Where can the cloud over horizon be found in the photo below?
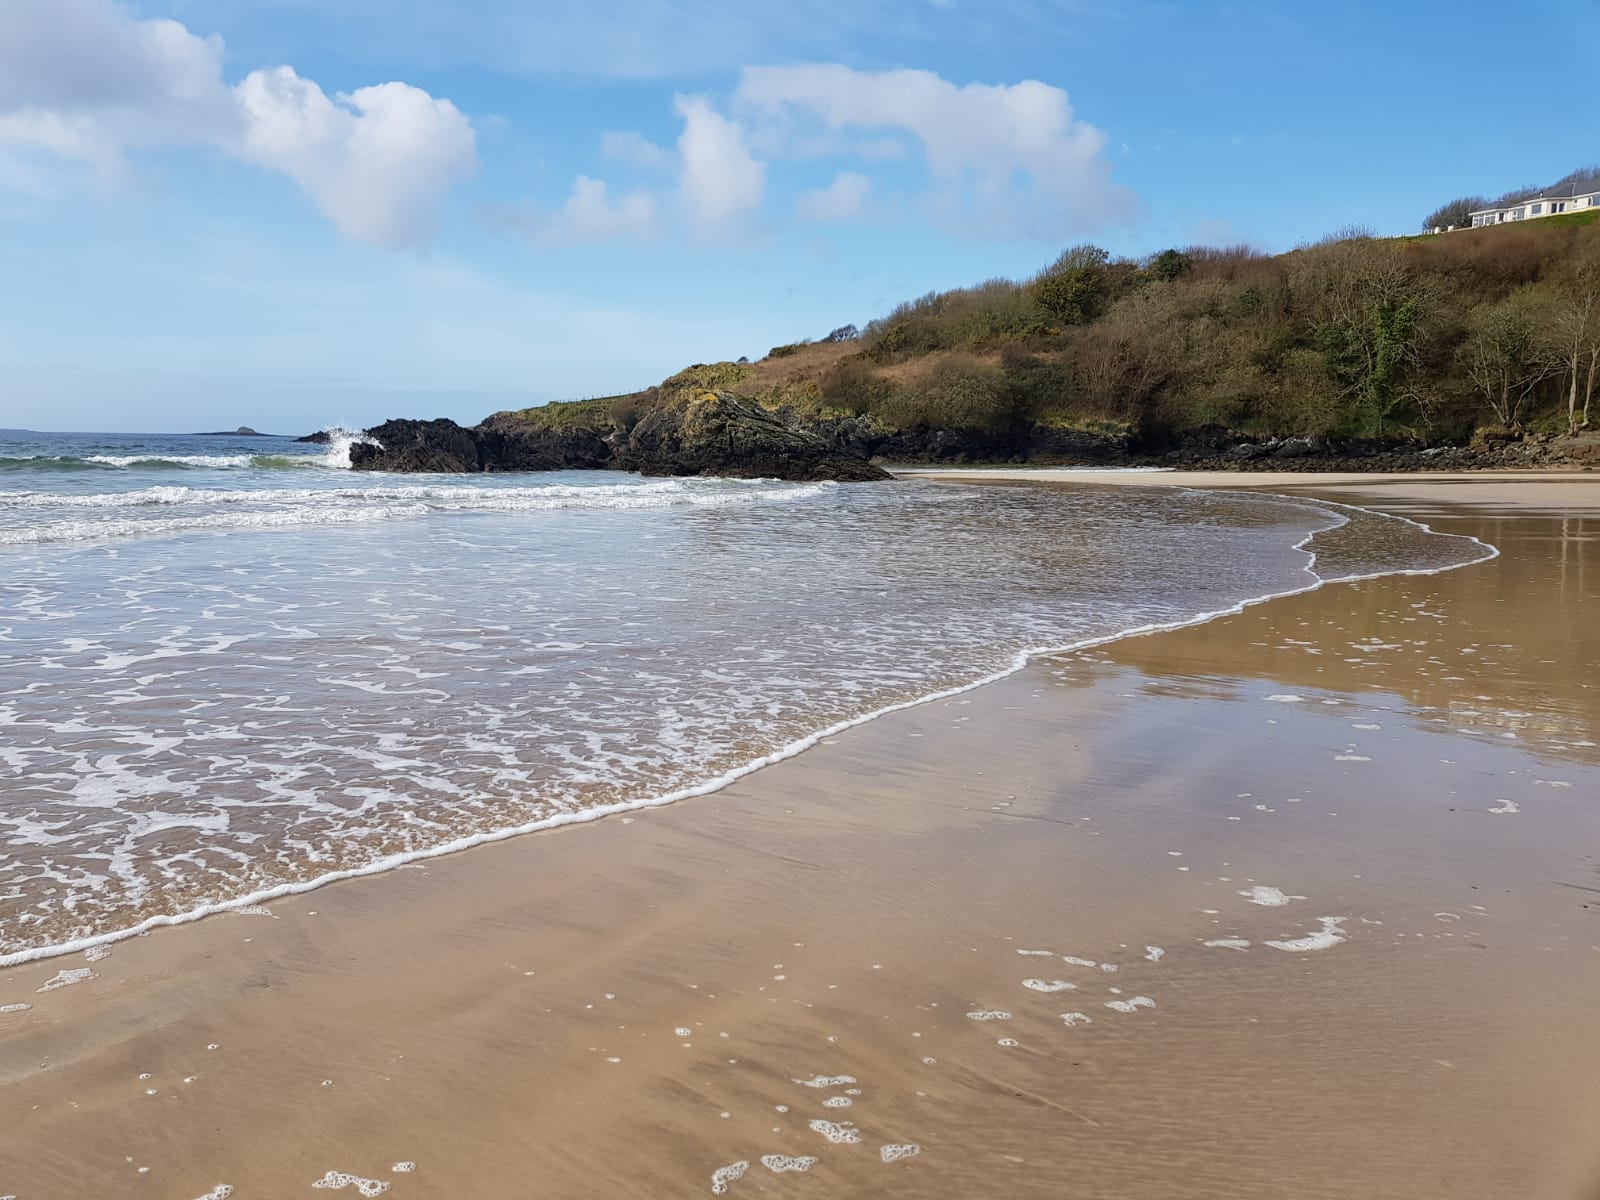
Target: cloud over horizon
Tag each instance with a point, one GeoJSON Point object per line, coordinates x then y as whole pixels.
{"type": "Point", "coordinates": [89, 81]}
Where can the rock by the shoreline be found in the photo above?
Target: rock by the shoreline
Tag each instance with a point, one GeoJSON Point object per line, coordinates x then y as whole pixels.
{"type": "Point", "coordinates": [717, 433]}
{"type": "Point", "coordinates": [320, 438]}
{"type": "Point", "coordinates": [435, 446]}
{"type": "Point", "coordinates": [712, 433]}
{"type": "Point", "coordinates": [242, 431]}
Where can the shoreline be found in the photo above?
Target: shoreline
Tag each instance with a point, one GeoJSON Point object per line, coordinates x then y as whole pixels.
{"type": "Point", "coordinates": [673, 981]}
{"type": "Point", "coordinates": [790, 750]}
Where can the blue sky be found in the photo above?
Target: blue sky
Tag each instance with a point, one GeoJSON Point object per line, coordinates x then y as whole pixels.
{"type": "Point", "coordinates": [288, 213]}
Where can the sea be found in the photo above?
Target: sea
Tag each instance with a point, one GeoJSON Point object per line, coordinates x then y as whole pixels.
{"type": "Point", "coordinates": [231, 668]}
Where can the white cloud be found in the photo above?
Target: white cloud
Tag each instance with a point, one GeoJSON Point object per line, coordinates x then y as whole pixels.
{"type": "Point", "coordinates": [1007, 159]}
{"type": "Point", "coordinates": [88, 80]}
{"type": "Point", "coordinates": [719, 178]}
{"type": "Point", "coordinates": [839, 201]}
{"type": "Point", "coordinates": [634, 149]}
{"type": "Point", "coordinates": [590, 214]}
{"type": "Point", "coordinates": [377, 161]}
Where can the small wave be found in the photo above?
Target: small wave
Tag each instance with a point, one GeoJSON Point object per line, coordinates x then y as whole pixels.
{"type": "Point", "coordinates": [652, 494]}
{"type": "Point", "coordinates": [286, 462]}
{"type": "Point", "coordinates": [50, 462]}
{"type": "Point", "coordinates": [79, 531]}
{"type": "Point", "coordinates": [159, 461]}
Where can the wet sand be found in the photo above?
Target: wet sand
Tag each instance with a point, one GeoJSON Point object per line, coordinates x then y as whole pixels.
{"type": "Point", "coordinates": [623, 1009]}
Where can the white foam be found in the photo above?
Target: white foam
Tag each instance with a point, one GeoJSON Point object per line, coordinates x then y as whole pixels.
{"type": "Point", "coordinates": [780, 1163]}
{"type": "Point", "coordinates": [1007, 1042]}
{"type": "Point", "coordinates": [989, 1014]}
{"type": "Point", "coordinates": [826, 1081]}
{"type": "Point", "coordinates": [1048, 985]}
{"type": "Point", "coordinates": [1329, 936]}
{"type": "Point", "coordinates": [67, 978]}
{"type": "Point", "coordinates": [837, 1102]}
{"type": "Point", "coordinates": [1044, 952]}
{"type": "Point", "coordinates": [1268, 897]}
{"type": "Point", "coordinates": [1228, 944]}
{"type": "Point", "coordinates": [1128, 1006]}
{"type": "Point", "coordinates": [221, 1192]}
{"type": "Point", "coordinates": [1074, 961]}
{"type": "Point", "coordinates": [337, 1180]}
{"type": "Point", "coordinates": [403, 1168]}
{"type": "Point", "coordinates": [1018, 661]}
{"type": "Point", "coordinates": [1077, 1018]}
{"type": "Point", "coordinates": [13, 1008]}
{"type": "Point", "coordinates": [725, 1177]}
{"type": "Point", "coordinates": [1506, 806]}
{"type": "Point", "coordinates": [894, 1153]}
{"type": "Point", "coordinates": [843, 1134]}
{"type": "Point", "coordinates": [1154, 953]}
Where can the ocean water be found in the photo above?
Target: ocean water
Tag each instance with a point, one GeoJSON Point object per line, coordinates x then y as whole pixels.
{"type": "Point", "coordinates": [231, 668]}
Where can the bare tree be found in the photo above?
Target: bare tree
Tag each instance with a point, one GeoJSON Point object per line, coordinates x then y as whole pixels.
{"type": "Point", "coordinates": [1454, 215]}
{"type": "Point", "coordinates": [1501, 355]}
{"type": "Point", "coordinates": [1572, 335]}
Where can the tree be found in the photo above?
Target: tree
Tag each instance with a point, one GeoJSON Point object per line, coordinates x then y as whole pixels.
{"type": "Point", "coordinates": [1170, 265]}
{"type": "Point", "coordinates": [1369, 310]}
{"type": "Point", "coordinates": [1072, 288]}
{"type": "Point", "coordinates": [1571, 340]}
{"type": "Point", "coordinates": [1456, 214]}
{"type": "Point", "coordinates": [845, 333]}
{"type": "Point", "coordinates": [1501, 356]}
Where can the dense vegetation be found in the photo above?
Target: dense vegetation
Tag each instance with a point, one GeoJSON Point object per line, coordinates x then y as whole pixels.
{"type": "Point", "coordinates": [1356, 336]}
{"type": "Point", "coordinates": [1433, 338]}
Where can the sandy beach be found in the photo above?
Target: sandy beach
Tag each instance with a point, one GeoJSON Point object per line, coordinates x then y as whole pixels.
{"type": "Point", "coordinates": [1304, 902]}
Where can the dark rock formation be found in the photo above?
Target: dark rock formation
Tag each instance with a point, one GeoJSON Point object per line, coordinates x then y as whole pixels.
{"type": "Point", "coordinates": [320, 438]}
{"type": "Point", "coordinates": [439, 445]}
{"type": "Point", "coordinates": [242, 431]}
{"type": "Point", "coordinates": [715, 433]}
{"type": "Point", "coordinates": [506, 443]}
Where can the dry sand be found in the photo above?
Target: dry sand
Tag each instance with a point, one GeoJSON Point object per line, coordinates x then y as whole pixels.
{"type": "Point", "coordinates": [624, 1008]}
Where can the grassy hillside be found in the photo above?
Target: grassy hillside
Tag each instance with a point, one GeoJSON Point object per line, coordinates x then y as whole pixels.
{"type": "Point", "coordinates": [1431, 337]}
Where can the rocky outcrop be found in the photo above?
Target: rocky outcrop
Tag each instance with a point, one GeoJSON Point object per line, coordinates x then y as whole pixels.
{"type": "Point", "coordinates": [1219, 449]}
{"type": "Point", "coordinates": [439, 445]}
{"type": "Point", "coordinates": [717, 433]}
{"type": "Point", "coordinates": [709, 433]}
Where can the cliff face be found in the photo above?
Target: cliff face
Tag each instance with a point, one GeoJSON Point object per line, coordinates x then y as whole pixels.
{"type": "Point", "coordinates": [707, 433]}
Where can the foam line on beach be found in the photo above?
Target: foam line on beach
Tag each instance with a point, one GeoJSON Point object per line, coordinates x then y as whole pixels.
{"type": "Point", "coordinates": [1019, 662]}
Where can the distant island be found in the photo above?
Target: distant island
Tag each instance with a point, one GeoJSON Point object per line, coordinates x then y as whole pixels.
{"type": "Point", "coordinates": [1475, 348]}
{"type": "Point", "coordinates": [242, 431]}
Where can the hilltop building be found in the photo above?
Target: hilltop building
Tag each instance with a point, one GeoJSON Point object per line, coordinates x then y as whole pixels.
{"type": "Point", "coordinates": [1536, 206]}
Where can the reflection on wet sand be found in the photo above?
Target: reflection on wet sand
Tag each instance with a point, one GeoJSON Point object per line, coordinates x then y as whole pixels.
{"type": "Point", "coordinates": [1236, 911]}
